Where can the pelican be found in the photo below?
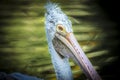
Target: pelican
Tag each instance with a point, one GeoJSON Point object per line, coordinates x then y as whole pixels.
{"type": "Point", "coordinates": [63, 45]}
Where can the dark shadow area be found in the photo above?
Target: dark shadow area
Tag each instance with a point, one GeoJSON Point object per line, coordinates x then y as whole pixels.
{"type": "Point", "coordinates": [111, 40]}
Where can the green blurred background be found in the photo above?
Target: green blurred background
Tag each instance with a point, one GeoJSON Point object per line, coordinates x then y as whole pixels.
{"type": "Point", "coordinates": [23, 45]}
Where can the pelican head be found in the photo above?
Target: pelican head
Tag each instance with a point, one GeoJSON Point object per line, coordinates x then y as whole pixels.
{"type": "Point", "coordinates": [62, 45]}
{"type": "Point", "coordinates": [54, 18]}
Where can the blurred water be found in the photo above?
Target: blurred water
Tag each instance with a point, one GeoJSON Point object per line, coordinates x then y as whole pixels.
{"type": "Point", "coordinates": [23, 45]}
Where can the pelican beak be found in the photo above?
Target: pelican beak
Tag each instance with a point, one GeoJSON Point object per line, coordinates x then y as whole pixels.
{"type": "Point", "coordinates": [70, 41]}
{"type": "Point", "coordinates": [78, 55]}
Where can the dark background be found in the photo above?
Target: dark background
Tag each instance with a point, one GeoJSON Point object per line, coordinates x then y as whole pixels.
{"type": "Point", "coordinates": [111, 9]}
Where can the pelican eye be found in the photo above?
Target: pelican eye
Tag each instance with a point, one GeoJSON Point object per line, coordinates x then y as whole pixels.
{"type": "Point", "coordinates": [61, 29]}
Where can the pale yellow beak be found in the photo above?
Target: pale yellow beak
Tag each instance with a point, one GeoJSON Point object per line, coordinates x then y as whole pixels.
{"type": "Point", "coordinates": [78, 55]}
